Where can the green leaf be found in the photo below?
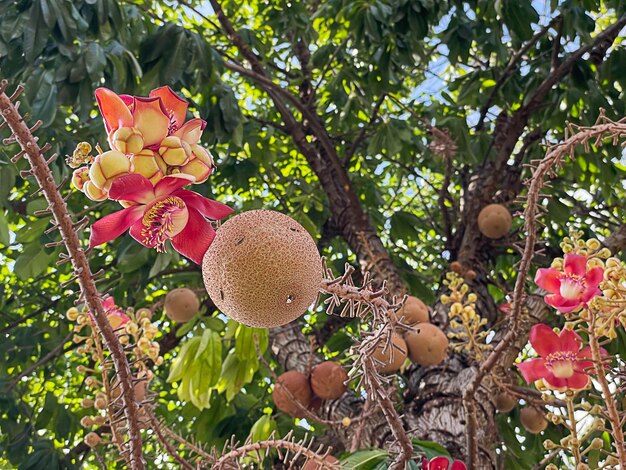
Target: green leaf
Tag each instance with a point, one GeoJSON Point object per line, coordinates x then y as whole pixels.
{"type": "Point", "coordinates": [364, 459]}
{"type": "Point", "coordinates": [5, 237]}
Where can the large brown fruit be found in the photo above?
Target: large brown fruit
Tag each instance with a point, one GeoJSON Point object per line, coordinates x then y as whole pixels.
{"type": "Point", "coordinates": [505, 402]}
{"type": "Point", "coordinates": [393, 356]}
{"type": "Point", "coordinates": [494, 221]}
{"type": "Point", "coordinates": [428, 345]}
{"type": "Point", "coordinates": [311, 465]}
{"type": "Point", "coordinates": [327, 380]}
{"type": "Point", "coordinates": [262, 269]}
{"type": "Point", "coordinates": [181, 304]}
{"type": "Point", "coordinates": [533, 420]}
{"type": "Point", "coordinates": [413, 311]}
{"type": "Point", "coordinates": [298, 385]}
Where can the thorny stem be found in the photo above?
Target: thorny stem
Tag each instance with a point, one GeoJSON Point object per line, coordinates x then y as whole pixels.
{"type": "Point", "coordinates": [613, 414]}
{"type": "Point", "coordinates": [156, 427]}
{"type": "Point", "coordinates": [603, 128]}
{"type": "Point", "coordinates": [572, 427]}
{"type": "Point", "coordinates": [89, 293]}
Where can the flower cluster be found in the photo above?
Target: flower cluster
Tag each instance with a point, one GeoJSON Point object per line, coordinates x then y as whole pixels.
{"type": "Point", "coordinates": [155, 153]}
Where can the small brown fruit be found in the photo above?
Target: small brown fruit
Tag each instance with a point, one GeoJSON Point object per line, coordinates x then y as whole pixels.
{"type": "Point", "coordinates": [470, 275]}
{"type": "Point", "coordinates": [533, 420]}
{"type": "Point", "coordinates": [181, 304]}
{"type": "Point", "coordinates": [413, 311]}
{"type": "Point", "coordinates": [263, 269]}
{"type": "Point", "coordinates": [392, 356]}
{"type": "Point", "coordinates": [311, 465]}
{"type": "Point", "coordinates": [505, 402]}
{"type": "Point", "coordinates": [428, 345]}
{"type": "Point", "coordinates": [456, 267]}
{"type": "Point", "coordinates": [494, 221]}
{"type": "Point", "coordinates": [327, 380]}
{"type": "Point", "coordinates": [298, 385]}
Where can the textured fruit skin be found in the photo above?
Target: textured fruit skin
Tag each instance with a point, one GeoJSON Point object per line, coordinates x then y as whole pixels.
{"type": "Point", "coordinates": [181, 304]}
{"type": "Point", "coordinates": [311, 465]}
{"type": "Point", "coordinates": [428, 345]}
{"type": "Point", "coordinates": [505, 402]}
{"type": "Point", "coordinates": [384, 355]}
{"type": "Point", "coordinates": [533, 420]}
{"type": "Point", "coordinates": [262, 269]}
{"type": "Point", "coordinates": [413, 311]}
{"type": "Point", "coordinates": [298, 384]}
{"type": "Point", "coordinates": [327, 380]}
{"type": "Point", "coordinates": [494, 221]}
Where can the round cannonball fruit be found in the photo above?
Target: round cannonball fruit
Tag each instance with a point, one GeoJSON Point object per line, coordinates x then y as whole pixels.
{"type": "Point", "coordinates": [327, 380]}
{"type": "Point", "coordinates": [298, 385]}
{"type": "Point", "coordinates": [181, 304]}
{"type": "Point", "coordinates": [533, 420]}
{"type": "Point", "coordinates": [505, 402]}
{"type": "Point", "coordinates": [494, 221]}
{"type": "Point", "coordinates": [262, 269]}
{"type": "Point", "coordinates": [413, 311]}
{"type": "Point", "coordinates": [456, 267]}
{"type": "Point", "coordinates": [312, 465]}
{"type": "Point", "coordinates": [428, 345]}
{"type": "Point", "coordinates": [392, 355]}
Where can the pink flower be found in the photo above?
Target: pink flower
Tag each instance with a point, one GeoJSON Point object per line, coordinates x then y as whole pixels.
{"type": "Point", "coordinates": [115, 314]}
{"type": "Point", "coordinates": [160, 115]}
{"type": "Point", "coordinates": [159, 213]}
{"type": "Point", "coordinates": [442, 463]}
{"type": "Point", "coordinates": [573, 288]}
{"type": "Point", "coordinates": [562, 363]}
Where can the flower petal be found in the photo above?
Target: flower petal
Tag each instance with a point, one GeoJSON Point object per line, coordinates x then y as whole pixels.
{"type": "Point", "coordinates": [458, 465]}
{"type": "Point", "coordinates": [115, 112]}
{"type": "Point", "coordinates": [578, 381]}
{"type": "Point", "coordinates": [172, 183]}
{"type": "Point", "coordinates": [438, 463]}
{"type": "Point", "coordinates": [191, 131]}
{"type": "Point", "coordinates": [549, 279]}
{"type": "Point", "coordinates": [569, 341]}
{"type": "Point", "coordinates": [555, 382]}
{"type": "Point", "coordinates": [544, 340]}
{"type": "Point", "coordinates": [176, 106]}
{"type": "Point", "coordinates": [151, 119]}
{"type": "Point", "coordinates": [594, 276]}
{"type": "Point", "coordinates": [589, 294]}
{"type": "Point", "coordinates": [135, 232]}
{"type": "Point", "coordinates": [207, 207]}
{"type": "Point", "coordinates": [533, 369]}
{"type": "Point", "coordinates": [113, 225]}
{"type": "Point", "coordinates": [575, 264]}
{"type": "Point", "coordinates": [562, 305]}
{"type": "Point", "coordinates": [134, 188]}
{"type": "Point", "coordinates": [196, 237]}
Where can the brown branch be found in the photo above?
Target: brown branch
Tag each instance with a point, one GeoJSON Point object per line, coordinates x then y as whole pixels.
{"type": "Point", "coordinates": [157, 428]}
{"type": "Point", "coordinates": [89, 293]}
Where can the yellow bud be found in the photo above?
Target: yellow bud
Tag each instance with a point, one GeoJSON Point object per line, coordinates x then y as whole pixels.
{"type": "Point", "coordinates": [548, 444]}
{"type": "Point", "coordinates": [72, 314]}
{"type": "Point", "coordinates": [346, 421]}
{"type": "Point", "coordinates": [93, 192]}
{"type": "Point", "coordinates": [445, 299]}
{"type": "Point", "coordinates": [100, 404]}
{"type": "Point", "coordinates": [144, 313]}
{"type": "Point", "coordinates": [87, 403]}
{"type": "Point", "coordinates": [108, 166]}
{"type": "Point", "coordinates": [149, 164]}
{"type": "Point", "coordinates": [131, 328]}
{"type": "Point", "coordinates": [472, 298]}
{"type": "Point", "coordinates": [92, 439]}
{"type": "Point", "coordinates": [86, 421]}
{"type": "Point", "coordinates": [174, 151]}
{"type": "Point", "coordinates": [127, 140]}
{"type": "Point", "coordinates": [456, 308]}
{"type": "Point", "coordinates": [158, 361]}
{"type": "Point", "coordinates": [596, 443]}
{"type": "Point", "coordinates": [593, 244]}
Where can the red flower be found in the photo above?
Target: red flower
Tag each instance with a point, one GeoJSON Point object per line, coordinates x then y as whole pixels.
{"type": "Point", "coordinates": [442, 463]}
{"type": "Point", "coordinates": [161, 212]}
{"type": "Point", "coordinates": [573, 288]}
{"type": "Point", "coordinates": [160, 115]}
{"type": "Point", "coordinates": [116, 316]}
{"type": "Point", "coordinates": [562, 364]}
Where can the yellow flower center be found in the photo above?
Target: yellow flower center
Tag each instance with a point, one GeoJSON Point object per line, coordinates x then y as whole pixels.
{"type": "Point", "coordinates": [165, 219]}
{"type": "Point", "coordinates": [561, 363]}
{"type": "Point", "coordinates": [572, 286]}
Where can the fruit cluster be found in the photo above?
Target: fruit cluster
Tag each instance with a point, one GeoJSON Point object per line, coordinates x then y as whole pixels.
{"type": "Point", "coordinates": [148, 136]}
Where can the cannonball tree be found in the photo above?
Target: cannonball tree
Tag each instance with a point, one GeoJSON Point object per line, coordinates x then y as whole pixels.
{"type": "Point", "coordinates": [338, 234]}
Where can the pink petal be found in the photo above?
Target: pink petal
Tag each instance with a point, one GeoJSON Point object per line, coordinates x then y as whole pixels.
{"type": "Point", "coordinates": [533, 369]}
{"type": "Point", "coordinates": [113, 225]}
{"type": "Point", "coordinates": [569, 341]}
{"type": "Point", "coordinates": [438, 463]}
{"type": "Point", "coordinates": [172, 183]}
{"type": "Point", "coordinates": [115, 112]}
{"type": "Point", "coordinates": [191, 131]}
{"type": "Point", "coordinates": [207, 207]}
{"type": "Point", "coordinates": [589, 294]}
{"type": "Point", "coordinates": [135, 232]}
{"type": "Point", "coordinates": [561, 304]}
{"type": "Point", "coordinates": [196, 237]}
{"type": "Point", "coordinates": [152, 120]}
{"type": "Point", "coordinates": [575, 264]}
{"type": "Point", "coordinates": [458, 465]}
{"type": "Point", "coordinates": [108, 303]}
{"type": "Point", "coordinates": [175, 106]}
{"type": "Point", "coordinates": [129, 100]}
{"type": "Point", "coordinates": [578, 381]}
{"type": "Point", "coordinates": [555, 382]}
{"type": "Point", "coordinates": [544, 340]}
{"type": "Point", "coordinates": [134, 188]}
{"type": "Point", "coordinates": [549, 279]}
{"type": "Point", "coordinates": [594, 276]}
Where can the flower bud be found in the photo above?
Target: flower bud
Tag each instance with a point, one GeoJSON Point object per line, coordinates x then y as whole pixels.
{"type": "Point", "coordinates": [93, 192]}
{"type": "Point", "coordinates": [87, 403]}
{"type": "Point", "coordinates": [174, 151]}
{"type": "Point", "coordinates": [108, 166]}
{"type": "Point", "coordinates": [100, 404]}
{"type": "Point", "coordinates": [132, 328]}
{"type": "Point", "coordinates": [472, 297]}
{"type": "Point", "coordinates": [143, 313]}
{"type": "Point", "coordinates": [346, 421]}
{"type": "Point", "coordinates": [72, 314]}
{"type": "Point", "coordinates": [92, 439]}
{"type": "Point", "coordinates": [158, 361]}
{"type": "Point", "coordinates": [200, 165]}
{"type": "Point", "coordinates": [86, 421]}
{"type": "Point", "coordinates": [149, 164]}
{"type": "Point", "coordinates": [80, 177]}
{"type": "Point", "coordinates": [127, 140]}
